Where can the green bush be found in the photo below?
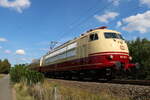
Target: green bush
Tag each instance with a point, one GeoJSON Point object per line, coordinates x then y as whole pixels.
{"type": "Point", "coordinates": [23, 74]}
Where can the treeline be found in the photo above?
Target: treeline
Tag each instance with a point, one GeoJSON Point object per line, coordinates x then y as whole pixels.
{"type": "Point", "coordinates": [140, 52]}
{"type": "Point", "coordinates": [4, 66]}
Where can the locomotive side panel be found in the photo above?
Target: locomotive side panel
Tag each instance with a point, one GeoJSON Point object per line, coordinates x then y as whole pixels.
{"type": "Point", "coordinates": [75, 50]}
{"type": "Point", "coordinates": [82, 47]}
{"type": "Point", "coordinates": [65, 53]}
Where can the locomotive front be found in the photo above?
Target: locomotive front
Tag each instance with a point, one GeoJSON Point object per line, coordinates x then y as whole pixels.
{"type": "Point", "coordinates": [110, 49]}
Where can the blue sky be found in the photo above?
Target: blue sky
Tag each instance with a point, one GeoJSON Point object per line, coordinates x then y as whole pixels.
{"type": "Point", "coordinates": [28, 26]}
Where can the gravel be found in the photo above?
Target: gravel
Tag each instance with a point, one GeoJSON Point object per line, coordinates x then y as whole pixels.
{"type": "Point", "coordinates": [134, 92]}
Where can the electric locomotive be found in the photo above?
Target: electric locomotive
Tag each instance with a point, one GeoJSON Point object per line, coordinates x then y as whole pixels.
{"type": "Point", "coordinates": [97, 53]}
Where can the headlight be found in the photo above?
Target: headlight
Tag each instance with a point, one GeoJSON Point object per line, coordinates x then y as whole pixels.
{"type": "Point", "coordinates": [130, 58]}
{"type": "Point", "coordinates": [111, 56]}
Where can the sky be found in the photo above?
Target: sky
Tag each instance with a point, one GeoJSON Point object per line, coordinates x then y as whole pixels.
{"type": "Point", "coordinates": [28, 26]}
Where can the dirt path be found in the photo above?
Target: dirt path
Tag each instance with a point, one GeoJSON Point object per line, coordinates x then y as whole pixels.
{"type": "Point", "coordinates": [5, 90]}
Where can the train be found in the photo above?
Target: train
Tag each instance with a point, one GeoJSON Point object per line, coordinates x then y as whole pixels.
{"type": "Point", "coordinates": [97, 53]}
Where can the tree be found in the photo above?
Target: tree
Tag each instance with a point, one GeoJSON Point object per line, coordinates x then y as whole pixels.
{"type": "Point", "coordinates": [4, 66]}
{"type": "Point", "coordinates": [140, 51]}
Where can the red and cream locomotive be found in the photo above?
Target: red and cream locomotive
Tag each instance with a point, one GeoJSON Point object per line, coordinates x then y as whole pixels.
{"type": "Point", "coordinates": [97, 53]}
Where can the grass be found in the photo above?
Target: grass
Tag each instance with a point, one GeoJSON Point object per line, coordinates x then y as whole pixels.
{"type": "Point", "coordinates": [1, 76]}
{"type": "Point", "coordinates": [55, 91]}
{"type": "Point", "coordinates": [21, 92]}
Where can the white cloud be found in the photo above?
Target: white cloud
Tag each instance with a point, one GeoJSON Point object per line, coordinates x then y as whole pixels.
{"type": "Point", "coordinates": [139, 22]}
{"type": "Point", "coordinates": [145, 2]}
{"type": "Point", "coordinates": [107, 16]}
{"type": "Point", "coordinates": [3, 39]}
{"type": "Point", "coordinates": [7, 51]}
{"type": "Point", "coordinates": [17, 5]}
{"type": "Point", "coordinates": [20, 52]}
{"type": "Point", "coordinates": [115, 2]}
{"type": "Point", "coordinates": [119, 23]}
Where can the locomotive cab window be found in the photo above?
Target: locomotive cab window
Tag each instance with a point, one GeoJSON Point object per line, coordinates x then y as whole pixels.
{"type": "Point", "coordinates": [109, 35]}
{"type": "Point", "coordinates": [93, 37]}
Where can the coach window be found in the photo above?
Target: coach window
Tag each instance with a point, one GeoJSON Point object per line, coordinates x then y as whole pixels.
{"type": "Point", "coordinates": [93, 37]}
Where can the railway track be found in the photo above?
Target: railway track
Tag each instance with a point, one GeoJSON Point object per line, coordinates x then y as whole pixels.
{"type": "Point", "coordinates": [117, 81]}
{"type": "Point", "coordinates": [132, 82]}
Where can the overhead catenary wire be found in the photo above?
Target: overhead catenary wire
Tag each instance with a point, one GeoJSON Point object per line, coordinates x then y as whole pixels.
{"type": "Point", "coordinates": [86, 19]}
{"type": "Point", "coordinates": [79, 18]}
{"type": "Point", "coordinates": [91, 8]}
